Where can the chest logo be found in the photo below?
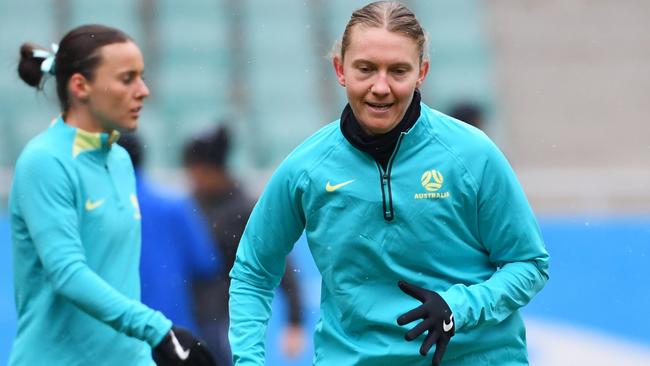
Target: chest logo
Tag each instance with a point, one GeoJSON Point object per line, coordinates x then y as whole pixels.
{"type": "Point", "coordinates": [93, 205]}
{"type": "Point", "coordinates": [432, 180]}
{"type": "Point", "coordinates": [332, 188]}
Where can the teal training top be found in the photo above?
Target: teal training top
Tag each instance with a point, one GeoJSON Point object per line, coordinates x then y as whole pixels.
{"type": "Point", "coordinates": [75, 225]}
{"type": "Point", "coordinates": [448, 215]}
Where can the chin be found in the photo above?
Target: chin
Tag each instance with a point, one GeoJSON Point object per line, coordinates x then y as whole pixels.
{"type": "Point", "coordinates": [129, 126]}
{"type": "Point", "coordinates": [379, 127]}
{"type": "Point", "coordinates": [125, 129]}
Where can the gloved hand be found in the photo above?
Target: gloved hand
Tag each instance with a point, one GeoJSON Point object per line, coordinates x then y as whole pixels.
{"type": "Point", "coordinates": [437, 319]}
{"type": "Point", "coordinates": [180, 348]}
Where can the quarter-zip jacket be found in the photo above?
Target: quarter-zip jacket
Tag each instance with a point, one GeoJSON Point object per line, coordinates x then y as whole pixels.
{"type": "Point", "coordinates": [75, 225]}
{"type": "Point", "coordinates": [381, 147]}
{"type": "Point", "coordinates": [461, 226]}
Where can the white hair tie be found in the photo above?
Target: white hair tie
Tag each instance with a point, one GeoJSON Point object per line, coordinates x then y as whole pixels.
{"type": "Point", "coordinates": [47, 66]}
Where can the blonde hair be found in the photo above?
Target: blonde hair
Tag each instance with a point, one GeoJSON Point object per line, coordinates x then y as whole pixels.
{"type": "Point", "coordinates": [392, 16]}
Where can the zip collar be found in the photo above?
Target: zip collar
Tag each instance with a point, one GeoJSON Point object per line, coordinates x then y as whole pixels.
{"type": "Point", "coordinates": [85, 141]}
{"type": "Point", "coordinates": [380, 147]}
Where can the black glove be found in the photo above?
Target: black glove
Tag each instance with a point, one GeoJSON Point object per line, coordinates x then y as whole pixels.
{"type": "Point", "coordinates": [179, 348]}
{"type": "Point", "coordinates": [437, 319]}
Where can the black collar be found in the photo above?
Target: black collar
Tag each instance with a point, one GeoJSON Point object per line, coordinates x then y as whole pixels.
{"type": "Point", "coordinates": [380, 147]}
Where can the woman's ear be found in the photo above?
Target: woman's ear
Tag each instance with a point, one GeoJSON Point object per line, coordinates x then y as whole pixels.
{"type": "Point", "coordinates": [79, 87]}
{"type": "Point", "coordinates": [424, 70]}
{"type": "Point", "coordinates": [338, 68]}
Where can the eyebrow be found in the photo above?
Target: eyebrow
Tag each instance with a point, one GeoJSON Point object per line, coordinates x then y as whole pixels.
{"type": "Point", "coordinates": [397, 64]}
{"type": "Point", "coordinates": [361, 62]}
{"type": "Point", "coordinates": [403, 64]}
{"type": "Point", "coordinates": [131, 72]}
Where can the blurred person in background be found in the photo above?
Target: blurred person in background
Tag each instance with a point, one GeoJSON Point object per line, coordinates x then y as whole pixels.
{"type": "Point", "coordinates": [411, 217]}
{"type": "Point", "coordinates": [75, 220]}
{"type": "Point", "coordinates": [468, 112]}
{"type": "Point", "coordinates": [227, 208]}
{"type": "Point", "coordinates": [177, 248]}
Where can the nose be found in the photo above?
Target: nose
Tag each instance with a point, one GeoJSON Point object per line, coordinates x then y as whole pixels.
{"type": "Point", "coordinates": [380, 87]}
{"type": "Point", "coordinates": [143, 90]}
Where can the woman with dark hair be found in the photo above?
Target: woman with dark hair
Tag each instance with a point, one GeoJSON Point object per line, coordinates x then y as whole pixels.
{"type": "Point", "coordinates": [227, 208]}
{"type": "Point", "coordinates": [75, 219]}
{"type": "Point", "coordinates": [416, 221]}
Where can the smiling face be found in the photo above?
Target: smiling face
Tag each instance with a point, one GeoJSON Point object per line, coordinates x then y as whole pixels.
{"type": "Point", "coordinates": [380, 71]}
{"type": "Point", "coordinates": [116, 93]}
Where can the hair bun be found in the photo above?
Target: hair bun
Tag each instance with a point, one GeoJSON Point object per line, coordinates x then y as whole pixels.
{"type": "Point", "coordinates": [29, 67]}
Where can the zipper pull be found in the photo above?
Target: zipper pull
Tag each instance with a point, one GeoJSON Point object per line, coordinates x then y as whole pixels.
{"type": "Point", "coordinates": [388, 214]}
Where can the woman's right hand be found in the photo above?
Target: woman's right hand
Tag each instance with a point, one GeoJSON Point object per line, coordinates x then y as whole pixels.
{"type": "Point", "coordinates": [179, 348]}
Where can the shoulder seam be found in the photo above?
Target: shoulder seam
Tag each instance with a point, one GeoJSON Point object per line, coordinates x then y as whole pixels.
{"type": "Point", "coordinates": [307, 172]}
{"type": "Point", "coordinates": [460, 161]}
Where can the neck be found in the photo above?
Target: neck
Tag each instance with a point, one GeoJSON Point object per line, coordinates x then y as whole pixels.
{"type": "Point", "coordinates": [379, 146]}
{"type": "Point", "coordinates": [223, 184]}
{"type": "Point", "coordinates": [219, 191]}
{"type": "Point", "coordinates": [82, 118]}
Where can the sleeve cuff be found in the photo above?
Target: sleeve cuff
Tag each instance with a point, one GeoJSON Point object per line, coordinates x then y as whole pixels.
{"type": "Point", "coordinates": [159, 327]}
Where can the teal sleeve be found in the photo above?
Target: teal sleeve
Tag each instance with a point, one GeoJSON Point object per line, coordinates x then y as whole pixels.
{"type": "Point", "coordinates": [274, 226]}
{"type": "Point", "coordinates": [46, 198]}
{"type": "Point", "coordinates": [509, 231]}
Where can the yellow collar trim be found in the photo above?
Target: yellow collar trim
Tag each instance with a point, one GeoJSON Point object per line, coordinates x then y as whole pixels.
{"type": "Point", "coordinates": [88, 141]}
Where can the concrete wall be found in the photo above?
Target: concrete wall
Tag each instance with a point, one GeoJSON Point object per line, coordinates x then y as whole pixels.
{"type": "Point", "coordinates": [573, 82]}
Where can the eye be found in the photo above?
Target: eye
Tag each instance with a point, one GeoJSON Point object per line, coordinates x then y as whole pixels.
{"type": "Point", "coordinates": [400, 71]}
{"type": "Point", "coordinates": [365, 69]}
{"type": "Point", "coordinates": [130, 77]}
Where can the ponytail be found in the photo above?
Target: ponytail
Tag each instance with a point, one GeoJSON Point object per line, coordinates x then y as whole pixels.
{"type": "Point", "coordinates": [32, 60]}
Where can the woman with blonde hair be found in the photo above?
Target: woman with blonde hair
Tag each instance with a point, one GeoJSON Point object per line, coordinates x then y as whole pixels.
{"type": "Point", "coordinates": [412, 217]}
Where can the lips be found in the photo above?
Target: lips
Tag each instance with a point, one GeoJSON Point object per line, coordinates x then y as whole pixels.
{"type": "Point", "coordinates": [135, 112]}
{"type": "Point", "coordinates": [379, 106]}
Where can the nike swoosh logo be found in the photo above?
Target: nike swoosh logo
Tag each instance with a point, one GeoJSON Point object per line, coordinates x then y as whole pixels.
{"type": "Point", "coordinates": [332, 188]}
{"type": "Point", "coordinates": [90, 205]}
{"type": "Point", "coordinates": [183, 354]}
{"type": "Point", "coordinates": [447, 326]}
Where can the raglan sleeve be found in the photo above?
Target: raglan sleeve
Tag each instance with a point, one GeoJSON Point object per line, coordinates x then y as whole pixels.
{"type": "Point", "coordinates": [272, 229]}
{"type": "Point", "coordinates": [509, 231]}
{"type": "Point", "coordinates": [45, 195]}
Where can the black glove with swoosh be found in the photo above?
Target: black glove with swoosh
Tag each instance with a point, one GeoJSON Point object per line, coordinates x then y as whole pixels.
{"type": "Point", "coordinates": [180, 348]}
{"type": "Point", "coordinates": [436, 317]}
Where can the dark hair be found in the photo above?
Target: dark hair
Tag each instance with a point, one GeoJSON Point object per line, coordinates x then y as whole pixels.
{"type": "Point", "coordinates": [78, 53]}
{"type": "Point", "coordinates": [468, 112]}
{"type": "Point", "coordinates": [132, 144]}
{"type": "Point", "coordinates": [390, 15]}
{"type": "Point", "coordinates": [210, 147]}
